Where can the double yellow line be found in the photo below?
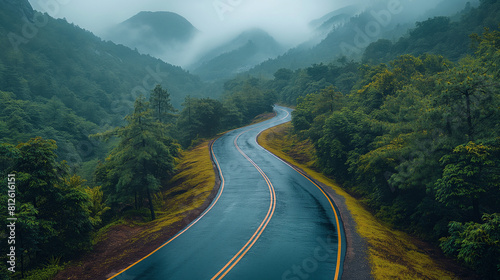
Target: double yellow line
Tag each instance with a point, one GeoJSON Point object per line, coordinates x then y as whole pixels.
{"type": "Point", "coordinates": [192, 223]}
{"type": "Point", "coordinates": [335, 212]}
{"type": "Point", "coordinates": [270, 212]}
{"type": "Point", "coordinates": [272, 206]}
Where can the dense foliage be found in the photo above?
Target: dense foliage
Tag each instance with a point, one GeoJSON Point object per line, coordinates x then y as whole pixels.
{"type": "Point", "coordinates": [413, 130]}
{"type": "Point", "coordinates": [419, 140]}
{"type": "Point", "coordinates": [61, 82]}
{"type": "Point", "coordinates": [242, 101]}
{"type": "Point", "coordinates": [54, 210]}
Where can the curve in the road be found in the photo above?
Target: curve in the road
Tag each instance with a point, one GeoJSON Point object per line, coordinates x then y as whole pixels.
{"type": "Point", "coordinates": [335, 211]}
{"type": "Point", "coordinates": [272, 207]}
{"type": "Point", "coordinates": [228, 267]}
{"type": "Point", "coordinates": [216, 161]}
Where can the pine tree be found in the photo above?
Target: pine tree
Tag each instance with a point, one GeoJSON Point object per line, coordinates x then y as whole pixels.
{"type": "Point", "coordinates": [143, 159]}
{"type": "Point", "coordinates": [162, 107]}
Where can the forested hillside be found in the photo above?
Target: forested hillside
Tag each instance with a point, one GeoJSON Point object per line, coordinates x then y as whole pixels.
{"type": "Point", "coordinates": [90, 132]}
{"type": "Point", "coordinates": [381, 20]}
{"type": "Point", "coordinates": [414, 133]}
{"type": "Point", "coordinates": [62, 82]}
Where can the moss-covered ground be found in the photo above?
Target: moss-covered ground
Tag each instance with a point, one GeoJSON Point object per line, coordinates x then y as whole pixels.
{"type": "Point", "coordinates": [393, 254]}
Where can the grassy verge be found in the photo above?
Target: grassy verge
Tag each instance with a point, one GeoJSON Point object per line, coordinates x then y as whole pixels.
{"type": "Point", "coordinates": [393, 254]}
{"type": "Point", "coordinates": [178, 205]}
{"type": "Point", "coordinates": [123, 242]}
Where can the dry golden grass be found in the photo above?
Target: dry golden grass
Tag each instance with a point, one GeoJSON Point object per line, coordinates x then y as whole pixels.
{"type": "Point", "coordinates": [392, 253]}
{"type": "Point", "coordinates": [191, 187]}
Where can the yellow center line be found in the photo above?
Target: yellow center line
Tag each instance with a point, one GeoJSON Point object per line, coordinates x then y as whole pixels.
{"type": "Point", "coordinates": [192, 223]}
{"type": "Point", "coordinates": [337, 219]}
{"type": "Point", "coordinates": [261, 227]}
{"type": "Point", "coordinates": [243, 251]}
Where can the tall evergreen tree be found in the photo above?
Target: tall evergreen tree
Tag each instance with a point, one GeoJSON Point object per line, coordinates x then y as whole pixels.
{"type": "Point", "coordinates": [143, 159]}
{"type": "Point", "coordinates": [161, 105]}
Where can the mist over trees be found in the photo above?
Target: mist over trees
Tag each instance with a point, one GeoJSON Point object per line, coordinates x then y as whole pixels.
{"type": "Point", "coordinates": [416, 137]}
{"type": "Point", "coordinates": [93, 130]}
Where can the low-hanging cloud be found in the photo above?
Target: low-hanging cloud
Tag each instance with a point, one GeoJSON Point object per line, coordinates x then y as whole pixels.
{"type": "Point", "coordinates": [218, 20]}
{"type": "Point", "coordinates": [285, 19]}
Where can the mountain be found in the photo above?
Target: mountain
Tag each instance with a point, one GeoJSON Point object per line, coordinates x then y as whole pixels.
{"type": "Point", "coordinates": [160, 34]}
{"type": "Point", "coordinates": [237, 55]}
{"type": "Point", "coordinates": [335, 18]}
{"type": "Point", "coordinates": [350, 37]}
{"type": "Point", "coordinates": [18, 8]}
{"type": "Point", "coordinates": [61, 82]}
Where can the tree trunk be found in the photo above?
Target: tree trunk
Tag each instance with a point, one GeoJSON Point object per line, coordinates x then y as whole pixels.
{"type": "Point", "coordinates": [151, 208]}
{"type": "Point", "coordinates": [475, 210]}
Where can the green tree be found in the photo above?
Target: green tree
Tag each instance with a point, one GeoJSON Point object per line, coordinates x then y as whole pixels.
{"type": "Point", "coordinates": [160, 104]}
{"type": "Point", "coordinates": [97, 206]}
{"type": "Point", "coordinates": [143, 159]}
{"type": "Point", "coordinates": [469, 100]}
{"type": "Point", "coordinates": [476, 244]}
{"type": "Point", "coordinates": [53, 218]}
{"type": "Point", "coordinates": [470, 175]}
{"type": "Point", "coordinates": [200, 118]}
{"type": "Point", "coordinates": [487, 49]}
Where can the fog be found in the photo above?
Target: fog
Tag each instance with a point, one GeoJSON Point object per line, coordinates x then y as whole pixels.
{"type": "Point", "coordinates": [286, 20]}
{"type": "Point", "coordinates": [274, 16]}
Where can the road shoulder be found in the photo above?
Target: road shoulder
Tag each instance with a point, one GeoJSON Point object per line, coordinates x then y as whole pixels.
{"type": "Point", "coordinates": [356, 263]}
{"type": "Point", "coordinates": [374, 250]}
{"type": "Point", "coordinates": [191, 191]}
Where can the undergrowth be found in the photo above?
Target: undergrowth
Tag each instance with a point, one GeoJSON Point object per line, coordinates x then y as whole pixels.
{"type": "Point", "coordinates": [392, 253]}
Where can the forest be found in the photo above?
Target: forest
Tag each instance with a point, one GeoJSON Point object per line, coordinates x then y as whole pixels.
{"type": "Point", "coordinates": [73, 134]}
{"type": "Point", "coordinates": [140, 163]}
{"type": "Point", "coordinates": [412, 129]}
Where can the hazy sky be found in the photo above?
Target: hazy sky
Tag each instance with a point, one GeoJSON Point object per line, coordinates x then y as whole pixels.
{"type": "Point", "coordinates": [229, 17]}
{"type": "Point", "coordinates": [218, 20]}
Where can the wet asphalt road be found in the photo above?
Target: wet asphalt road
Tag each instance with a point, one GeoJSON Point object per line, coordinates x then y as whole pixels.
{"type": "Point", "coordinates": [267, 222]}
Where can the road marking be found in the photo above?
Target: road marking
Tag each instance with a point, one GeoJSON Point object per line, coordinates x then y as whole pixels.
{"type": "Point", "coordinates": [264, 223]}
{"type": "Point", "coordinates": [192, 223]}
{"type": "Point", "coordinates": [272, 206]}
{"type": "Point", "coordinates": [337, 219]}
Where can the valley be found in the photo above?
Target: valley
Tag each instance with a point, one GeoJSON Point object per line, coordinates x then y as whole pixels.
{"type": "Point", "coordinates": [140, 122]}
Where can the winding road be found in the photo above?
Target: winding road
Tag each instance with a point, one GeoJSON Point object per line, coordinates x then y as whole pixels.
{"type": "Point", "coordinates": [268, 221]}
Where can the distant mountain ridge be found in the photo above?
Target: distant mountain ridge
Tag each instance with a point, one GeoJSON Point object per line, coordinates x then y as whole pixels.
{"type": "Point", "coordinates": [354, 34]}
{"type": "Point", "coordinates": [332, 19]}
{"type": "Point", "coordinates": [64, 83]}
{"type": "Point", "coordinates": [160, 34]}
{"type": "Point", "coordinates": [238, 55]}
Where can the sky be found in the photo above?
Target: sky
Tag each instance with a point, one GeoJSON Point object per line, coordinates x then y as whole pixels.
{"type": "Point", "coordinates": [208, 16]}
{"type": "Point", "coordinates": [218, 20]}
